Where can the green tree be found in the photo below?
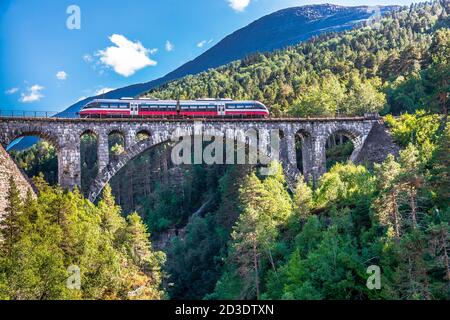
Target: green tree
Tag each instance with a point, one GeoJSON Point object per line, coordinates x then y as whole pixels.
{"type": "Point", "coordinates": [10, 226]}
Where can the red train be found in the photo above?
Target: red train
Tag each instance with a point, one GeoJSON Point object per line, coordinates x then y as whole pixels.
{"type": "Point", "coordinates": [126, 107]}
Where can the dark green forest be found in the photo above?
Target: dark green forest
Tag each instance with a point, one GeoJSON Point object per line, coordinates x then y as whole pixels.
{"type": "Point", "coordinates": [228, 232]}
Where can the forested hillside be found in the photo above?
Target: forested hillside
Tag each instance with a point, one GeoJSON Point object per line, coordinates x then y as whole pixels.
{"type": "Point", "coordinates": [61, 246]}
{"type": "Point", "coordinates": [396, 66]}
{"type": "Point", "coordinates": [229, 233]}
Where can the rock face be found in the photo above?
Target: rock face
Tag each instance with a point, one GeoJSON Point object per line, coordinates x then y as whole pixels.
{"type": "Point", "coordinates": [7, 169]}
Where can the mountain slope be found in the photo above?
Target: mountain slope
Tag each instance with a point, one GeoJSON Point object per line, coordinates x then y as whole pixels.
{"type": "Point", "coordinates": [274, 31]}
{"type": "Point", "coordinates": [384, 69]}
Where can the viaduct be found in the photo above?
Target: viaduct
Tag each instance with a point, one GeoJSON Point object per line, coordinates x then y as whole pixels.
{"type": "Point", "coordinates": [65, 134]}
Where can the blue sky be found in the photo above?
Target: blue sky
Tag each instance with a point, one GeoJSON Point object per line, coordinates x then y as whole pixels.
{"type": "Point", "coordinates": [46, 66]}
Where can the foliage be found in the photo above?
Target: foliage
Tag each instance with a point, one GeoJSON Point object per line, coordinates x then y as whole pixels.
{"type": "Point", "coordinates": [400, 66]}
{"type": "Point", "coordinates": [419, 128]}
{"type": "Point", "coordinates": [40, 158]}
{"type": "Point", "coordinates": [44, 238]}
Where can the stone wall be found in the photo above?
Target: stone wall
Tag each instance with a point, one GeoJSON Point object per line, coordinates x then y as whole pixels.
{"type": "Point", "coordinates": [377, 146]}
{"type": "Point", "coordinates": [7, 169]}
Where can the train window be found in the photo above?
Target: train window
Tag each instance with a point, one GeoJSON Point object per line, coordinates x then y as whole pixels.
{"type": "Point", "coordinates": [113, 106]}
{"type": "Point", "coordinates": [193, 107]}
{"type": "Point", "coordinates": [104, 105]}
{"type": "Point", "coordinates": [211, 107]}
{"type": "Point", "coordinates": [153, 107]}
{"type": "Point", "coordinates": [231, 107]}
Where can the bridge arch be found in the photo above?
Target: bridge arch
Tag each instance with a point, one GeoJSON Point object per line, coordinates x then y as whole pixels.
{"type": "Point", "coordinates": [48, 152]}
{"type": "Point", "coordinates": [32, 131]}
{"type": "Point", "coordinates": [303, 151]}
{"type": "Point", "coordinates": [352, 138]}
{"type": "Point", "coordinates": [140, 147]}
{"type": "Point", "coordinates": [89, 157]}
{"type": "Point", "coordinates": [142, 134]}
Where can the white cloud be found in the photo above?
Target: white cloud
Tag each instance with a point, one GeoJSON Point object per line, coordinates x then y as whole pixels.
{"type": "Point", "coordinates": [153, 51]}
{"type": "Point", "coordinates": [12, 90]}
{"type": "Point", "coordinates": [126, 57]}
{"type": "Point", "coordinates": [88, 58]}
{"type": "Point", "coordinates": [238, 5]}
{"type": "Point", "coordinates": [169, 46]}
{"type": "Point", "coordinates": [201, 43]}
{"type": "Point", "coordinates": [103, 91]}
{"type": "Point", "coordinates": [33, 94]}
{"type": "Point", "coordinates": [61, 75]}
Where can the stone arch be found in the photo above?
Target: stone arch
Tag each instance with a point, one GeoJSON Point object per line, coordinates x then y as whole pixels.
{"type": "Point", "coordinates": [116, 136]}
{"type": "Point", "coordinates": [89, 131]}
{"type": "Point", "coordinates": [52, 165]}
{"type": "Point", "coordinates": [89, 157]}
{"type": "Point", "coordinates": [134, 151]}
{"type": "Point", "coordinates": [355, 136]}
{"type": "Point", "coordinates": [31, 131]}
{"type": "Point", "coordinates": [142, 132]}
{"type": "Point", "coordinates": [303, 150]}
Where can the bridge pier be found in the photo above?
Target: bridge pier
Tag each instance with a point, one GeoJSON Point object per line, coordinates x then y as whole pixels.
{"type": "Point", "coordinates": [102, 151]}
{"type": "Point", "coordinates": [69, 167]}
{"type": "Point", "coordinates": [307, 157]}
{"type": "Point", "coordinates": [318, 158]}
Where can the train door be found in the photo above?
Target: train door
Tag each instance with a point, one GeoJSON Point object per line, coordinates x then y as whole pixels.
{"type": "Point", "coordinates": [221, 109]}
{"type": "Point", "coordinates": [134, 109]}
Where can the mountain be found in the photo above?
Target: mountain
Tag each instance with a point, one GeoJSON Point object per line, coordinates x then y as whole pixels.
{"type": "Point", "coordinates": [274, 31]}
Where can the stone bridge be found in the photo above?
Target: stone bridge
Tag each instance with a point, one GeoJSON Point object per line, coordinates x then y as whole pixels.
{"type": "Point", "coordinates": [65, 134]}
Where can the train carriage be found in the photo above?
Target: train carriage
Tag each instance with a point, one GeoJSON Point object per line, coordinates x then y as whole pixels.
{"type": "Point", "coordinates": [126, 107]}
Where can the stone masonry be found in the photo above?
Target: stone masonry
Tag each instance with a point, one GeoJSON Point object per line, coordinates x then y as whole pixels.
{"type": "Point", "coordinates": [65, 135]}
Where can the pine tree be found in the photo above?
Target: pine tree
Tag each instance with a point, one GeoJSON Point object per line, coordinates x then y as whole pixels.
{"type": "Point", "coordinates": [387, 203]}
{"type": "Point", "coordinates": [440, 171]}
{"type": "Point", "coordinates": [111, 218]}
{"type": "Point", "coordinates": [303, 198]}
{"type": "Point", "coordinates": [411, 180]}
{"type": "Point", "coordinates": [10, 224]}
{"type": "Point", "coordinates": [144, 266]}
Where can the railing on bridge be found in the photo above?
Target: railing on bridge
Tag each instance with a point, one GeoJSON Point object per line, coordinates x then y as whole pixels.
{"type": "Point", "coordinates": [36, 114]}
{"type": "Point", "coordinates": [65, 114]}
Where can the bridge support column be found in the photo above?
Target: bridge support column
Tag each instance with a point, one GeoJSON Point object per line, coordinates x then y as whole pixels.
{"type": "Point", "coordinates": [69, 166]}
{"type": "Point", "coordinates": [288, 157]}
{"type": "Point", "coordinates": [307, 157]}
{"type": "Point", "coordinates": [130, 140]}
{"type": "Point", "coordinates": [318, 157]}
{"type": "Point", "coordinates": [357, 145]}
{"type": "Point", "coordinates": [102, 152]}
